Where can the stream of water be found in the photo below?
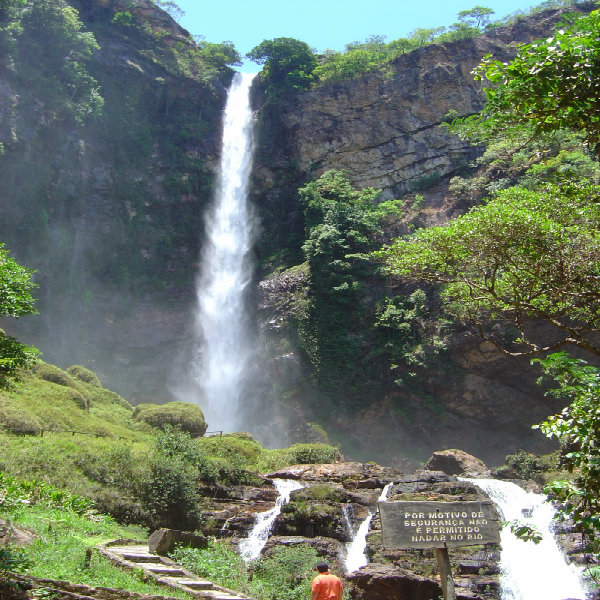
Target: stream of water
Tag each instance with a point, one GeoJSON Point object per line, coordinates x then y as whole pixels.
{"type": "Point", "coordinates": [221, 317]}
{"type": "Point", "coordinates": [530, 571]}
{"type": "Point", "coordinates": [250, 547]}
{"type": "Point", "coordinates": [355, 550]}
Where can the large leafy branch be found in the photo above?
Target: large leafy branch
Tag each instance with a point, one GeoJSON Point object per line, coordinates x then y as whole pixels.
{"type": "Point", "coordinates": [522, 257]}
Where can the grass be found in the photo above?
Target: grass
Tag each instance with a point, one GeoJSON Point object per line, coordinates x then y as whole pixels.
{"type": "Point", "coordinates": [64, 540]}
{"type": "Point", "coordinates": [284, 574]}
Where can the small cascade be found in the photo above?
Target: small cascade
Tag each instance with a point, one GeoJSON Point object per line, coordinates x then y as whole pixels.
{"type": "Point", "coordinates": [355, 550]}
{"type": "Point", "coordinates": [530, 571]}
{"type": "Point", "coordinates": [346, 510]}
{"type": "Point", "coordinates": [250, 548]}
{"type": "Point", "coordinates": [385, 491]}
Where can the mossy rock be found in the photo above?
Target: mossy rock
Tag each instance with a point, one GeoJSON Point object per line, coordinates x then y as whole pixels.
{"type": "Point", "coordinates": [321, 492]}
{"type": "Point", "coordinates": [83, 374]}
{"type": "Point", "coordinates": [311, 433]}
{"type": "Point", "coordinates": [183, 415]}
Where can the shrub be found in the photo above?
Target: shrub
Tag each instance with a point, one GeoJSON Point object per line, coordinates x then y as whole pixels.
{"type": "Point", "coordinates": [17, 422]}
{"type": "Point", "coordinates": [314, 453]}
{"type": "Point", "coordinates": [168, 492]}
{"type": "Point", "coordinates": [83, 374]}
{"type": "Point", "coordinates": [311, 433]}
{"type": "Point", "coordinates": [183, 415]}
{"type": "Point", "coordinates": [530, 466]}
{"type": "Point", "coordinates": [53, 374]}
{"type": "Point", "coordinates": [78, 398]}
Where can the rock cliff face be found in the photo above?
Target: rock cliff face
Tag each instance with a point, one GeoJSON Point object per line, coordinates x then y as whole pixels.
{"type": "Point", "coordinates": [384, 131]}
{"type": "Point", "coordinates": [110, 211]}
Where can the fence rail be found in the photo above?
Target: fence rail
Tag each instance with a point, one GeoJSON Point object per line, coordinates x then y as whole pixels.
{"type": "Point", "coordinates": [40, 431]}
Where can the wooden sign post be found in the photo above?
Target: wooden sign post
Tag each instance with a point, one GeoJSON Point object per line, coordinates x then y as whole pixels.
{"type": "Point", "coordinates": [439, 525]}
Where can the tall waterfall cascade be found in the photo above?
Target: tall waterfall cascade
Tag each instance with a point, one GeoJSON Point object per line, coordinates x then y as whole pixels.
{"type": "Point", "coordinates": [221, 325]}
{"type": "Point", "coordinates": [355, 549]}
{"type": "Point", "coordinates": [251, 547]}
{"type": "Point", "coordinates": [530, 571]}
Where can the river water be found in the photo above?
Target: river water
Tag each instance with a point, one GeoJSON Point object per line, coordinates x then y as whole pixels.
{"type": "Point", "coordinates": [531, 571]}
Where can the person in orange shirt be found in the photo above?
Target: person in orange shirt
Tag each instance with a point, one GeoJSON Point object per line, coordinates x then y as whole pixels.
{"type": "Point", "coordinates": [326, 586]}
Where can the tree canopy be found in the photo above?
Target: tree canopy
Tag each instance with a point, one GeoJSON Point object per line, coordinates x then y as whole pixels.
{"type": "Point", "coordinates": [288, 64]}
{"type": "Point", "coordinates": [524, 256]}
{"type": "Point", "coordinates": [550, 84]}
{"type": "Point", "coordinates": [16, 300]}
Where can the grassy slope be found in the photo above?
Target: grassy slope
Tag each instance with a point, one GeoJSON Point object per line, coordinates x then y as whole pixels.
{"type": "Point", "coordinates": [109, 459]}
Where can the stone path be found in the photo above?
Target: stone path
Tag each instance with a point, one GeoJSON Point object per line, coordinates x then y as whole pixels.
{"type": "Point", "coordinates": [165, 571]}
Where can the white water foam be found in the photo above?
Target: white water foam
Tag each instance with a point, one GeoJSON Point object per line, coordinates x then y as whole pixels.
{"type": "Point", "coordinates": [251, 547]}
{"type": "Point", "coordinates": [530, 571]}
{"type": "Point", "coordinates": [221, 318]}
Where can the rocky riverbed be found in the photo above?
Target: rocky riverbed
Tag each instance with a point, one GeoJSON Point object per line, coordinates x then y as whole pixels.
{"type": "Point", "coordinates": [336, 498]}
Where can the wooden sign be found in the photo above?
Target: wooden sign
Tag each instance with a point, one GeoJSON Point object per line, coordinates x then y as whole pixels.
{"type": "Point", "coordinates": [438, 524]}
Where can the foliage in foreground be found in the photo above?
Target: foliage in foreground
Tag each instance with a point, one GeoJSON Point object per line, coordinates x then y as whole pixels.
{"type": "Point", "coordinates": [16, 300]}
{"type": "Point", "coordinates": [577, 428]}
{"type": "Point", "coordinates": [133, 471]}
{"type": "Point", "coordinates": [551, 83]}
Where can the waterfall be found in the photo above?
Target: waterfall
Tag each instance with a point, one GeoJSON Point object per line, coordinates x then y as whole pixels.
{"type": "Point", "coordinates": [251, 547]}
{"type": "Point", "coordinates": [221, 317]}
{"type": "Point", "coordinates": [355, 550]}
{"type": "Point", "coordinates": [530, 571]}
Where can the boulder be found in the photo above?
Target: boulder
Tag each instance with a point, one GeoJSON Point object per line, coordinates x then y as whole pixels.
{"type": "Point", "coordinates": [457, 462]}
{"type": "Point", "coordinates": [14, 536]}
{"type": "Point", "coordinates": [389, 582]}
{"type": "Point", "coordinates": [162, 541]}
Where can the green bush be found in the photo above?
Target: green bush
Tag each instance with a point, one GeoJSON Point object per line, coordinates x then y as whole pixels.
{"type": "Point", "coordinates": [284, 573]}
{"type": "Point", "coordinates": [53, 374]}
{"type": "Point", "coordinates": [183, 415]}
{"type": "Point", "coordinates": [83, 374]}
{"type": "Point", "coordinates": [530, 466]}
{"type": "Point", "coordinates": [15, 421]}
{"type": "Point", "coordinates": [81, 401]}
{"type": "Point", "coordinates": [169, 493]}
{"type": "Point", "coordinates": [314, 453]}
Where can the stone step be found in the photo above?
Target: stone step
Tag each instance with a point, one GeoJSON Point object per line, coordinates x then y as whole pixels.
{"type": "Point", "coordinates": [195, 584]}
{"type": "Point", "coordinates": [162, 569]}
{"type": "Point", "coordinates": [136, 557]}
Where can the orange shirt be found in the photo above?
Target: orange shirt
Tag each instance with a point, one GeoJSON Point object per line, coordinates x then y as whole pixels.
{"type": "Point", "coordinates": [327, 586]}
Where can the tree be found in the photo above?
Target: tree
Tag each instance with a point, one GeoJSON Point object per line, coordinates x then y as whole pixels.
{"type": "Point", "coordinates": [523, 257]}
{"type": "Point", "coordinates": [551, 84]}
{"type": "Point", "coordinates": [49, 34]}
{"type": "Point", "coordinates": [478, 16]}
{"type": "Point", "coordinates": [341, 223]}
{"type": "Point", "coordinates": [288, 64]}
{"type": "Point", "coordinates": [16, 301]}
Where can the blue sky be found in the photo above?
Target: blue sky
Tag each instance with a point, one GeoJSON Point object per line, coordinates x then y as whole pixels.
{"type": "Point", "coordinates": [323, 23]}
